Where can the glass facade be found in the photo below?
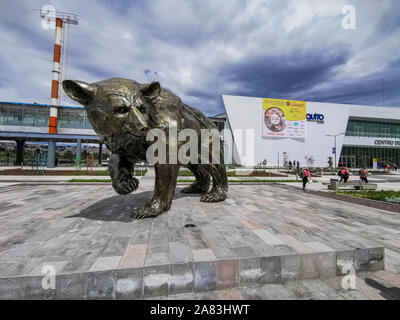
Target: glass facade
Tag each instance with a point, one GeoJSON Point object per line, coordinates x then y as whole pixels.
{"type": "Point", "coordinates": [73, 118]}
{"type": "Point", "coordinates": [357, 157]}
{"type": "Point", "coordinates": [379, 129]}
{"type": "Point", "coordinates": [16, 115]}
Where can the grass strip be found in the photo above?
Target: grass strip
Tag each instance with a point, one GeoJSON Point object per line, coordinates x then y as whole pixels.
{"type": "Point", "coordinates": [181, 180]}
{"type": "Point", "coordinates": [90, 180]}
{"type": "Point", "coordinates": [82, 172]}
{"type": "Point", "coordinates": [382, 195]}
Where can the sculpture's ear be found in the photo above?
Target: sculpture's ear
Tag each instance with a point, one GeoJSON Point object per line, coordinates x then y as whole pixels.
{"type": "Point", "coordinates": [79, 91]}
{"type": "Point", "coordinates": [150, 90]}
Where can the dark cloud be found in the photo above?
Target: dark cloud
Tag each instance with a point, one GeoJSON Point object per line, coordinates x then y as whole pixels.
{"type": "Point", "coordinates": [381, 88]}
{"type": "Point", "coordinates": [275, 76]}
{"type": "Point", "coordinates": [284, 74]}
{"type": "Point", "coordinates": [201, 49]}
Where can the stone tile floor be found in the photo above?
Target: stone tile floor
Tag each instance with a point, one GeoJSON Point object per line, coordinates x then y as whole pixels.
{"type": "Point", "coordinates": [86, 229]}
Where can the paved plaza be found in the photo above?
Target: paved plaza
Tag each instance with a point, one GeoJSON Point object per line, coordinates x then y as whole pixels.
{"type": "Point", "coordinates": [265, 241]}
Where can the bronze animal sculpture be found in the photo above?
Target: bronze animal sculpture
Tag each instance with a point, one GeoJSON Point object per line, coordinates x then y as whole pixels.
{"type": "Point", "coordinates": [122, 112]}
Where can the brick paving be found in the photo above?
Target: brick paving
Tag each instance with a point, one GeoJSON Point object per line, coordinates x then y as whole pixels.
{"type": "Point", "coordinates": [265, 235]}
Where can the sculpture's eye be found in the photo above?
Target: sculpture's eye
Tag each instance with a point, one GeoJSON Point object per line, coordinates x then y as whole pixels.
{"type": "Point", "coordinates": [142, 108]}
{"type": "Point", "coordinates": [121, 110]}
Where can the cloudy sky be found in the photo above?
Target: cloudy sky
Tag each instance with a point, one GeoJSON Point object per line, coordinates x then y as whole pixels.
{"type": "Point", "coordinates": [201, 49]}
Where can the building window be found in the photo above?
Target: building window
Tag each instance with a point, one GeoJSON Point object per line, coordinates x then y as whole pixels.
{"type": "Point", "coordinates": [373, 128]}
{"type": "Point", "coordinates": [386, 132]}
{"type": "Point", "coordinates": [358, 131]}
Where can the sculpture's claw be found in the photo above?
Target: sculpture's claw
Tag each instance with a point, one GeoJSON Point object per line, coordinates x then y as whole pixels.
{"type": "Point", "coordinates": [137, 215]}
{"type": "Point", "coordinates": [126, 186]}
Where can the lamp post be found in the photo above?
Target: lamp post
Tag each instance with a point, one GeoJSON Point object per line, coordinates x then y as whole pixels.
{"type": "Point", "coordinates": [335, 135]}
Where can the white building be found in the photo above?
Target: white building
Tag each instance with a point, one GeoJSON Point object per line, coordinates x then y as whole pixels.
{"type": "Point", "coordinates": [364, 135]}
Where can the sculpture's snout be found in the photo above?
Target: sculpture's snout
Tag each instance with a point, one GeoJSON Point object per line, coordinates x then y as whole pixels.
{"type": "Point", "coordinates": [142, 126]}
{"type": "Point", "coordinates": [142, 129]}
{"type": "Point", "coordinates": [137, 124]}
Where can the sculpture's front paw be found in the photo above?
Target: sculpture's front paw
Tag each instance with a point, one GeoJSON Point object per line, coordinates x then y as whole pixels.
{"type": "Point", "coordinates": [126, 185]}
{"type": "Point", "coordinates": [145, 212]}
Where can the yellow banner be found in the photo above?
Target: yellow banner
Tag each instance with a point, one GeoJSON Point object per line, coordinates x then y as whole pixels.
{"type": "Point", "coordinates": [284, 118]}
{"type": "Point", "coordinates": [293, 110]}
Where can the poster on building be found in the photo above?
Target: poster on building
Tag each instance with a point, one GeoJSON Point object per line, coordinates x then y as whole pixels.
{"type": "Point", "coordinates": [284, 118]}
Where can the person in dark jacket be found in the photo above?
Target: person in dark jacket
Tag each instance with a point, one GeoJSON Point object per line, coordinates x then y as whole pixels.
{"type": "Point", "coordinates": [344, 174]}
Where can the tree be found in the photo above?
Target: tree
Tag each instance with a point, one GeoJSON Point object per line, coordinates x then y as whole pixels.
{"type": "Point", "coordinates": [330, 162]}
{"type": "Point", "coordinates": [309, 160]}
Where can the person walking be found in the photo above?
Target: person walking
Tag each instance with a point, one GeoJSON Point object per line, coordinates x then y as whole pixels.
{"type": "Point", "coordinates": [363, 175]}
{"type": "Point", "coordinates": [298, 166]}
{"type": "Point", "coordinates": [344, 174]}
{"type": "Point", "coordinates": [305, 176]}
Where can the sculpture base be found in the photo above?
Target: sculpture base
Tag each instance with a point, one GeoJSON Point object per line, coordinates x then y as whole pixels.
{"type": "Point", "coordinates": [268, 234]}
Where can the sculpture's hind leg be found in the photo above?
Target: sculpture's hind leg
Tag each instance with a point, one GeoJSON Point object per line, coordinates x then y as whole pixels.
{"type": "Point", "coordinates": [202, 183]}
{"type": "Point", "coordinates": [219, 190]}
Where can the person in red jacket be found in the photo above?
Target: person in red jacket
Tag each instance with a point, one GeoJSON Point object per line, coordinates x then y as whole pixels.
{"type": "Point", "coordinates": [344, 174]}
{"type": "Point", "coordinates": [306, 176]}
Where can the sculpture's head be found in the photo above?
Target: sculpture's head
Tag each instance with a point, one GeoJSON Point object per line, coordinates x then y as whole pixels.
{"type": "Point", "coordinates": [118, 109]}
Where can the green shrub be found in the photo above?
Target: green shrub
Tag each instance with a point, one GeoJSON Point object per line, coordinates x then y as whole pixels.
{"type": "Point", "coordinates": [393, 199]}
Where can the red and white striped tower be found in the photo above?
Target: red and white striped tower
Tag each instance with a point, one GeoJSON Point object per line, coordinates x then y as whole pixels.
{"type": "Point", "coordinates": [56, 76]}
{"type": "Point", "coordinates": [49, 16]}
